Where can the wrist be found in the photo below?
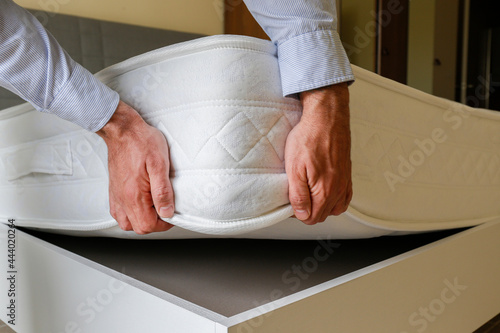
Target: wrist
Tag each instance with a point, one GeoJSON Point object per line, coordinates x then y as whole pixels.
{"type": "Point", "coordinates": [122, 121]}
{"type": "Point", "coordinates": [329, 104]}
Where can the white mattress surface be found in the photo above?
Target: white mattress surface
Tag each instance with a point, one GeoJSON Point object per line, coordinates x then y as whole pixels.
{"type": "Point", "coordinates": [420, 163]}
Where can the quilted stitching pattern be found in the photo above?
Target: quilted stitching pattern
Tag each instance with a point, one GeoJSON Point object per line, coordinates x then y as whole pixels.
{"type": "Point", "coordinates": [238, 136]}
{"type": "Point", "coordinates": [378, 150]}
{"type": "Point", "coordinates": [230, 137]}
{"type": "Point", "coordinates": [247, 136]}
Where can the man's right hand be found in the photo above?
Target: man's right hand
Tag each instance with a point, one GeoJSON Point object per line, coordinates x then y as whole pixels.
{"type": "Point", "coordinates": [317, 155]}
{"type": "Point", "coordinates": [139, 186]}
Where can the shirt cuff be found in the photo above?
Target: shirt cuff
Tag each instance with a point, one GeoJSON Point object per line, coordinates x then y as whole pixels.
{"type": "Point", "coordinates": [313, 60]}
{"type": "Point", "coordinates": [84, 100]}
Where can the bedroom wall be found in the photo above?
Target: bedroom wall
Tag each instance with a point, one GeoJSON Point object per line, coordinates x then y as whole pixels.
{"type": "Point", "coordinates": [421, 44]}
{"type": "Point", "coordinates": [357, 31]}
{"type": "Point", "coordinates": [196, 16]}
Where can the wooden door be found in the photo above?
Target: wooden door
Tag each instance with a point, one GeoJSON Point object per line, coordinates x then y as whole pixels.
{"type": "Point", "coordinates": [239, 21]}
{"type": "Point", "coordinates": [392, 39]}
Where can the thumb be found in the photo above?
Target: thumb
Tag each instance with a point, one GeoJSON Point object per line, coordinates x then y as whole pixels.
{"type": "Point", "coordinates": [300, 197]}
{"type": "Point", "coordinates": [163, 198]}
{"type": "Point", "coordinates": [161, 189]}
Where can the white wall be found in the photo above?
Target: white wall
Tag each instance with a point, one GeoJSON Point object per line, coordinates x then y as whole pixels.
{"type": "Point", "coordinates": [197, 16]}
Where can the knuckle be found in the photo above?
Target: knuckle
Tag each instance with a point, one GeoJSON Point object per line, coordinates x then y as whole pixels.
{"type": "Point", "coordinates": [296, 171]}
{"type": "Point", "coordinates": [157, 163]}
{"type": "Point", "coordinates": [309, 222]}
{"type": "Point", "coordinates": [119, 217]}
{"type": "Point", "coordinates": [299, 200]}
{"type": "Point", "coordinates": [344, 181]}
{"type": "Point", "coordinates": [112, 212]}
{"type": "Point", "coordinates": [349, 199]}
{"type": "Point", "coordinates": [337, 212]}
{"type": "Point", "coordinates": [318, 218]}
{"type": "Point", "coordinates": [125, 226]}
{"type": "Point", "coordinates": [158, 160]}
{"type": "Point", "coordinates": [163, 193]}
{"type": "Point", "coordinates": [323, 197]}
{"type": "Point", "coordinates": [143, 230]}
{"type": "Point", "coordinates": [339, 209]}
{"type": "Point", "coordinates": [130, 192]}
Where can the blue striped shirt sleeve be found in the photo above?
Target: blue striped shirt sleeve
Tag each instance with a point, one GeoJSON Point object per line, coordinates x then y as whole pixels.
{"type": "Point", "coordinates": [35, 67]}
{"type": "Point", "coordinates": [310, 52]}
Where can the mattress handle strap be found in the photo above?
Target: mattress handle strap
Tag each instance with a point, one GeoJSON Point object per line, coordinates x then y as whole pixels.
{"type": "Point", "coordinates": [46, 157]}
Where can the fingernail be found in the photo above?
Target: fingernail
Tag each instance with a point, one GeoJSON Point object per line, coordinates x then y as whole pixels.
{"type": "Point", "coordinates": [167, 211]}
{"type": "Point", "coordinates": [301, 214]}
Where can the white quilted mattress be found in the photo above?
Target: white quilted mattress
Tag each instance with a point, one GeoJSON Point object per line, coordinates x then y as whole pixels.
{"type": "Point", "coordinates": [420, 163]}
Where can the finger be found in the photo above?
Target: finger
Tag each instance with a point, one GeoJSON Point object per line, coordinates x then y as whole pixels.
{"type": "Point", "coordinates": [158, 226]}
{"type": "Point", "coordinates": [134, 206]}
{"type": "Point", "coordinates": [163, 196]}
{"type": "Point", "coordinates": [300, 198]}
{"type": "Point", "coordinates": [122, 219]}
{"type": "Point", "coordinates": [163, 226]}
{"type": "Point", "coordinates": [126, 225]}
{"type": "Point", "coordinates": [112, 205]}
{"type": "Point", "coordinates": [349, 194]}
{"type": "Point", "coordinates": [339, 208]}
{"type": "Point", "coordinates": [118, 214]}
{"type": "Point", "coordinates": [142, 214]}
{"type": "Point", "coordinates": [343, 204]}
{"type": "Point", "coordinates": [324, 209]}
{"type": "Point", "coordinates": [161, 189]}
{"type": "Point", "coordinates": [145, 218]}
{"type": "Point", "coordinates": [324, 199]}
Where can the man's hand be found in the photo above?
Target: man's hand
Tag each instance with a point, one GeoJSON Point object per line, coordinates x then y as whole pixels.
{"type": "Point", "coordinates": [317, 155]}
{"type": "Point", "coordinates": [138, 166]}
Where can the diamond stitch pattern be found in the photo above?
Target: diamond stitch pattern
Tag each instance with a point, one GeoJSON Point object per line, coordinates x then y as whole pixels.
{"type": "Point", "coordinates": [238, 136]}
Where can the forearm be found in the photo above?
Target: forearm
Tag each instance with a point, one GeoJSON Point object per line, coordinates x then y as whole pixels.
{"type": "Point", "coordinates": [35, 67]}
{"type": "Point", "coordinates": [310, 52]}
